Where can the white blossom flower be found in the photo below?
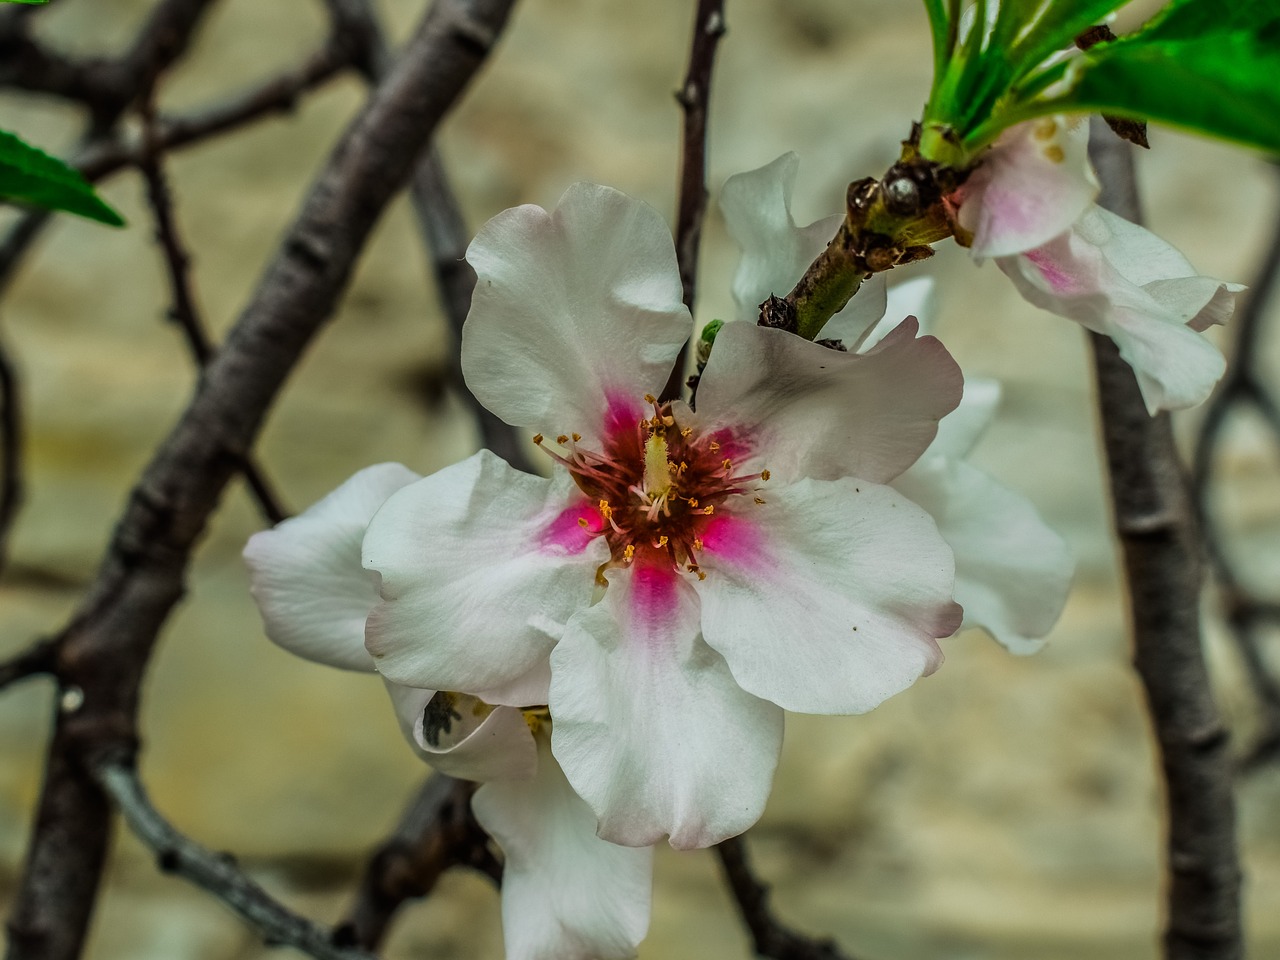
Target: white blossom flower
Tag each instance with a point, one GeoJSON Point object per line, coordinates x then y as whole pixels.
{"type": "Point", "coordinates": [688, 575]}
{"type": "Point", "coordinates": [566, 894]}
{"type": "Point", "coordinates": [1012, 570]}
{"type": "Point", "coordinates": [1029, 205]}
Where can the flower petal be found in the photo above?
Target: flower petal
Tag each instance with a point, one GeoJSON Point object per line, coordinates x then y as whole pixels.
{"type": "Point", "coordinates": [1084, 275]}
{"type": "Point", "coordinates": [960, 430]}
{"type": "Point", "coordinates": [1012, 571]}
{"type": "Point", "coordinates": [775, 252]}
{"type": "Point", "coordinates": [915, 298]}
{"type": "Point", "coordinates": [566, 894]}
{"type": "Point", "coordinates": [829, 596]}
{"type": "Point", "coordinates": [306, 576]}
{"type": "Point", "coordinates": [570, 308]}
{"type": "Point", "coordinates": [463, 736]}
{"type": "Point", "coordinates": [811, 411]}
{"type": "Point", "coordinates": [1033, 184]}
{"type": "Point", "coordinates": [481, 566]}
{"type": "Point", "coordinates": [650, 727]}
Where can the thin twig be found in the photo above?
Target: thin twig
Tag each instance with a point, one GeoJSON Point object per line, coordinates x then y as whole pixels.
{"type": "Point", "coordinates": [184, 311]}
{"type": "Point", "coordinates": [105, 650]}
{"type": "Point", "coordinates": [215, 872]}
{"type": "Point", "coordinates": [39, 658]}
{"type": "Point", "coordinates": [770, 937]}
{"type": "Point", "coordinates": [436, 832]}
{"type": "Point", "coordinates": [1155, 522]}
{"type": "Point", "coordinates": [1243, 388]}
{"type": "Point", "coordinates": [11, 485]}
{"type": "Point", "coordinates": [693, 96]}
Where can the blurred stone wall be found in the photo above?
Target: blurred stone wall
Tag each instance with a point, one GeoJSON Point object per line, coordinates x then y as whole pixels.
{"type": "Point", "coordinates": [1003, 808]}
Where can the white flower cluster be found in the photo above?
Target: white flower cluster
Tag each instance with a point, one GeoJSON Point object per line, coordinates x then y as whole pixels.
{"type": "Point", "coordinates": [610, 650]}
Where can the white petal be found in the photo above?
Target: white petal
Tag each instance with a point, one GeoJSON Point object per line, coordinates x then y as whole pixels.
{"type": "Point", "coordinates": [1012, 571]}
{"type": "Point", "coordinates": [463, 736]}
{"type": "Point", "coordinates": [481, 566]}
{"type": "Point", "coordinates": [915, 298]}
{"type": "Point", "coordinates": [811, 411]}
{"type": "Point", "coordinates": [1082, 275]}
{"type": "Point", "coordinates": [960, 430]}
{"type": "Point", "coordinates": [566, 894]}
{"type": "Point", "coordinates": [306, 576]}
{"type": "Point", "coordinates": [829, 596]}
{"type": "Point", "coordinates": [775, 252]}
{"type": "Point", "coordinates": [1032, 185]}
{"type": "Point", "coordinates": [571, 309]}
{"type": "Point", "coordinates": [650, 727]}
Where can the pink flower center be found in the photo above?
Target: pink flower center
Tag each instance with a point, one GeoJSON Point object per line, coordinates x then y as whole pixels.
{"type": "Point", "coordinates": [657, 485]}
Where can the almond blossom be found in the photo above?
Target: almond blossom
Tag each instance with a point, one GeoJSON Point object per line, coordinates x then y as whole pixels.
{"type": "Point", "coordinates": [1029, 205]}
{"type": "Point", "coordinates": [1012, 570]}
{"type": "Point", "coordinates": [565, 892]}
{"type": "Point", "coordinates": [682, 577]}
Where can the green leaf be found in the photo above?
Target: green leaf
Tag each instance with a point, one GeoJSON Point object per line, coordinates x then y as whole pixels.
{"type": "Point", "coordinates": [1222, 84]}
{"type": "Point", "coordinates": [940, 25]}
{"type": "Point", "coordinates": [24, 1]}
{"type": "Point", "coordinates": [30, 176]}
{"type": "Point", "coordinates": [1192, 19]}
{"type": "Point", "coordinates": [1055, 29]}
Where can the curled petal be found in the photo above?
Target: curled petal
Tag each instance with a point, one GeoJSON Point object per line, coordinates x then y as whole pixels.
{"type": "Point", "coordinates": [306, 576]}
{"type": "Point", "coordinates": [650, 726]}
{"type": "Point", "coordinates": [1109, 275]}
{"type": "Point", "coordinates": [1012, 571]}
{"type": "Point", "coordinates": [463, 736]}
{"type": "Point", "coordinates": [829, 596]}
{"type": "Point", "coordinates": [481, 567]}
{"type": "Point", "coordinates": [1033, 184]}
{"type": "Point", "coordinates": [810, 411]}
{"type": "Point", "coordinates": [572, 307]}
{"type": "Point", "coordinates": [566, 894]}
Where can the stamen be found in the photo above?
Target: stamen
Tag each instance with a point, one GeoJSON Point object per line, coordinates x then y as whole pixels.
{"type": "Point", "coordinates": [583, 523]}
{"type": "Point", "coordinates": [715, 447]}
{"type": "Point", "coordinates": [537, 439]}
{"type": "Point", "coordinates": [764, 475]}
{"type": "Point", "coordinates": [650, 398]}
{"type": "Point", "coordinates": [726, 465]}
{"type": "Point", "coordinates": [562, 439]}
{"type": "Point", "coordinates": [577, 437]}
{"type": "Point", "coordinates": [697, 544]}
{"type": "Point", "coordinates": [629, 552]}
{"type": "Point", "coordinates": [759, 501]}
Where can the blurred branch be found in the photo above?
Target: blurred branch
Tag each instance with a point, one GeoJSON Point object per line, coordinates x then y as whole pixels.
{"type": "Point", "coordinates": [1156, 526]}
{"type": "Point", "coordinates": [184, 311]}
{"type": "Point", "coordinates": [444, 233]}
{"type": "Point", "coordinates": [11, 451]}
{"type": "Point", "coordinates": [1242, 389]}
{"type": "Point", "coordinates": [37, 659]}
{"type": "Point", "coordinates": [770, 937]}
{"type": "Point", "coordinates": [105, 649]}
{"type": "Point", "coordinates": [436, 832]}
{"type": "Point", "coordinates": [693, 97]}
{"type": "Point", "coordinates": [215, 872]}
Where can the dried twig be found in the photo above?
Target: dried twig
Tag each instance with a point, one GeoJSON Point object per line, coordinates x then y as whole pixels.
{"type": "Point", "coordinates": [215, 872]}
{"type": "Point", "coordinates": [37, 659]}
{"type": "Point", "coordinates": [104, 651]}
{"type": "Point", "coordinates": [1244, 388]}
{"type": "Point", "coordinates": [1156, 526]}
{"type": "Point", "coordinates": [184, 311]}
{"type": "Point", "coordinates": [436, 832]}
{"type": "Point", "coordinates": [693, 96]}
{"type": "Point", "coordinates": [10, 450]}
{"type": "Point", "coordinates": [770, 937]}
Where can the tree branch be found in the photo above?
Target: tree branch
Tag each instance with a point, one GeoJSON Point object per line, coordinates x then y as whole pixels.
{"type": "Point", "coordinates": [11, 491]}
{"type": "Point", "coordinates": [39, 658]}
{"type": "Point", "coordinates": [105, 649]}
{"type": "Point", "coordinates": [1161, 549]}
{"type": "Point", "coordinates": [436, 832]}
{"type": "Point", "coordinates": [770, 937]}
{"type": "Point", "coordinates": [693, 97]}
{"type": "Point", "coordinates": [215, 872]}
{"type": "Point", "coordinates": [184, 311]}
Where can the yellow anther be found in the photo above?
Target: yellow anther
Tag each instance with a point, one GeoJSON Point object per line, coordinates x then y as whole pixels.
{"type": "Point", "coordinates": [563, 438]}
{"type": "Point", "coordinates": [583, 523]}
{"type": "Point", "coordinates": [701, 575]}
{"type": "Point", "coordinates": [758, 500]}
{"type": "Point", "coordinates": [697, 544]}
{"type": "Point", "coordinates": [650, 398]}
{"type": "Point", "coordinates": [537, 439]}
{"type": "Point", "coordinates": [629, 552]}
{"type": "Point", "coordinates": [693, 502]}
{"type": "Point", "coordinates": [606, 511]}
{"type": "Point", "coordinates": [662, 541]}
{"type": "Point", "coordinates": [686, 432]}
{"type": "Point", "coordinates": [577, 437]}
{"type": "Point", "coordinates": [709, 509]}
{"type": "Point", "coordinates": [682, 468]}
{"type": "Point", "coordinates": [715, 447]}
{"type": "Point", "coordinates": [726, 464]}
{"type": "Point", "coordinates": [1055, 153]}
{"type": "Point", "coordinates": [764, 475]}
{"type": "Point", "coordinates": [668, 421]}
